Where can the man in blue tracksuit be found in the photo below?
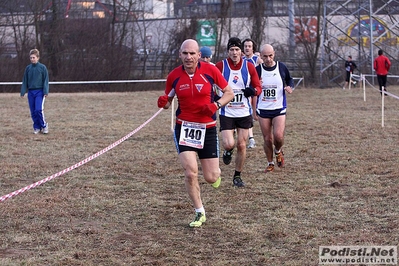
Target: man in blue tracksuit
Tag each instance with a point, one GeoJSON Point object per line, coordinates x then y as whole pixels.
{"type": "Point", "coordinates": [35, 82]}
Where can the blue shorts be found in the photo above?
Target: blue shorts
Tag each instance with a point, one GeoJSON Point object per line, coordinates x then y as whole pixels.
{"type": "Point", "coordinates": [229, 123]}
{"type": "Point", "coordinates": [271, 113]}
{"type": "Point", "coordinates": [211, 144]}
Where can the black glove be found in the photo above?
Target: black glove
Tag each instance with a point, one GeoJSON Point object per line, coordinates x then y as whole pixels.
{"type": "Point", "coordinates": [249, 91]}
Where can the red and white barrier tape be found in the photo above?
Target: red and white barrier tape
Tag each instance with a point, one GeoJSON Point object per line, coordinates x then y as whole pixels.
{"type": "Point", "coordinates": [386, 92]}
{"type": "Point", "coordinates": [88, 159]}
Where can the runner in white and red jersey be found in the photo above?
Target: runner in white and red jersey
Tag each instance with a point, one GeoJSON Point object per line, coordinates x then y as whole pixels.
{"type": "Point", "coordinates": [237, 114]}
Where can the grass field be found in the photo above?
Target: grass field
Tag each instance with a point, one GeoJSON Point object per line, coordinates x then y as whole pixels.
{"type": "Point", "coordinates": [129, 206]}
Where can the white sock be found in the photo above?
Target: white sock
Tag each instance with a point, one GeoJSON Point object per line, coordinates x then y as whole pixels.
{"type": "Point", "coordinates": [200, 210]}
{"type": "Point", "coordinates": [271, 163]}
{"type": "Point", "coordinates": [277, 151]}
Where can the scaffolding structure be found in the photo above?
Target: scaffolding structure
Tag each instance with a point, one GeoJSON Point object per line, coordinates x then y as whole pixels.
{"type": "Point", "coordinates": [358, 28]}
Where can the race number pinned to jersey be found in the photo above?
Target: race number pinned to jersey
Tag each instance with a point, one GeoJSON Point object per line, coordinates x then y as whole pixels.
{"type": "Point", "coordinates": [238, 100]}
{"type": "Point", "coordinates": [192, 134]}
{"type": "Point", "coordinates": [269, 93]}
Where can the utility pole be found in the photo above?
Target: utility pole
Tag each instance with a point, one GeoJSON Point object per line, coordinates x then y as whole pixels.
{"type": "Point", "coordinates": [291, 15]}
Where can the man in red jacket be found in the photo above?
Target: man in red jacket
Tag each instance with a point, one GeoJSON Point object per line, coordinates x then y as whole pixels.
{"type": "Point", "coordinates": [381, 67]}
{"type": "Point", "coordinates": [195, 133]}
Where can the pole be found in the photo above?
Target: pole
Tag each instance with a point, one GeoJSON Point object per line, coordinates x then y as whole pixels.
{"type": "Point", "coordinates": [371, 41]}
{"type": "Point", "coordinates": [382, 106]}
{"type": "Point", "coordinates": [364, 86]}
{"type": "Point", "coordinates": [172, 122]}
{"type": "Point", "coordinates": [291, 14]}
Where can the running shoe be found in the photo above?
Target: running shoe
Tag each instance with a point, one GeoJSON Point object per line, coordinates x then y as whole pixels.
{"type": "Point", "coordinates": [45, 129]}
{"type": "Point", "coordinates": [269, 168]}
{"type": "Point", "coordinates": [36, 131]}
{"type": "Point", "coordinates": [280, 159]}
{"type": "Point", "coordinates": [198, 220]}
{"type": "Point", "coordinates": [237, 182]}
{"type": "Point", "coordinates": [217, 182]}
{"type": "Point", "coordinates": [227, 157]}
{"type": "Point", "coordinates": [251, 144]}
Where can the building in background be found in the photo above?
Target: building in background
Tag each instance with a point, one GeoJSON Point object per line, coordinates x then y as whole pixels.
{"type": "Point", "coordinates": [151, 30]}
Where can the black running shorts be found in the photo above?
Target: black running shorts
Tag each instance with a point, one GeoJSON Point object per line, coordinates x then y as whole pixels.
{"type": "Point", "coordinates": [228, 123]}
{"type": "Point", "coordinates": [211, 144]}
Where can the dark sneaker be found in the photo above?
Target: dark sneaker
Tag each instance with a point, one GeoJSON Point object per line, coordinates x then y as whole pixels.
{"type": "Point", "coordinates": [280, 159]}
{"type": "Point", "coordinates": [237, 182]}
{"type": "Point", "coordinates": [227, 157]}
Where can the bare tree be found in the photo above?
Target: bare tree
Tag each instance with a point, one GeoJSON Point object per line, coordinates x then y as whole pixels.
{"type": "Point", "coordinates": [121, 55]}
{"type": "Point", "coordinates": [52, 36]}
{"type": "Point", "coordinates": [139, 37]}
{"type": "Point", "coordinates": [17, 37]}
{"type": "Point", "coordinates": [307, 34]}
{"type": "Point", "coordinates": [258, 20]}
{"type": "Point", "coordinates": [224, 25]}
{"type": "Point", "coordinates": [308, 39]}
{"type": "Point", "coordinates": [162, 44]}
{"type": "Point", "coordinates": [185, 29]}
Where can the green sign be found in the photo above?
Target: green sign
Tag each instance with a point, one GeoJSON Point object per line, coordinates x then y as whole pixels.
{"type": "Point", "coordinates": [206, 36]}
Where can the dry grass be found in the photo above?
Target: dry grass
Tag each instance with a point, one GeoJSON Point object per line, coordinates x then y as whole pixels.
{"type": "Point", "coordinates": [129, 206]}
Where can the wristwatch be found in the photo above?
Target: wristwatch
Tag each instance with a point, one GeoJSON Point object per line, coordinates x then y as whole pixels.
{"type": "Point", "coordinates": [219, 105]}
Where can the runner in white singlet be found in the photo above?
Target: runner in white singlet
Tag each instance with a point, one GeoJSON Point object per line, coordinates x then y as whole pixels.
{"type": "Point", "coordinates": [271, 105]}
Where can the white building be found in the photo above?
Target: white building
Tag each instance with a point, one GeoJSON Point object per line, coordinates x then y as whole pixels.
{"type": "Point", "coordinates": [148, 9]}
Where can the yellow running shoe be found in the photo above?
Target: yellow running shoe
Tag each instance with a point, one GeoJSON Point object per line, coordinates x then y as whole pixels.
{"type": "Point", "coordinates": [199, 219]}
{"type": "Point", "coordinates": [217, 182]}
